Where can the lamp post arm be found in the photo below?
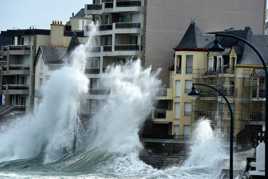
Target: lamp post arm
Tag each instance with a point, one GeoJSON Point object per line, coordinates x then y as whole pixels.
{"type": "Point", "coordinates": [266, 88]}
{"type": "Point", "coordinates": [231, 125]}
{"type": "Point", "coordinates": [221, 34]}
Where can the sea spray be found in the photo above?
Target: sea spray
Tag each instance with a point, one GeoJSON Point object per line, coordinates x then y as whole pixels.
{"type": "Point", "coordinates": [50, 128]}
{"type": "Point", "coordinates": [130, 101]}
{"type": "Point", "coordinates": [206, 156]}
{"type": "Point", "coordinates": [206, 140]}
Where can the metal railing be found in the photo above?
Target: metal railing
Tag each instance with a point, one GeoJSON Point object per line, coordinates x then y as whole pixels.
{"type": "Point", "coordinates": [107, 48]}
{"type": "Point", "coordinates": [105, 27]}
{"type": "Point", "coordinates": [159, 113]}
{"type": "Point", "coordinates": [94, 7]}
{"type": "Point", "coordinates": [108, 5]}
{"type": "Point", "coordinates": [123, 3]}
{"type": "Point", "coordinates": [17, 47]}
{"type": "Point", "coordinates": [129, 47]}
{"type": "Point", "coordinates": [125, 25]}
{"type": "Point", "coordinates": [99, 91]}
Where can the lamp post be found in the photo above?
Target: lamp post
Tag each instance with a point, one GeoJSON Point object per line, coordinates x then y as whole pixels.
{"type": "Point", "coordinates": [222, 34]}
{"type": "Point", "coordinates": [194, 92]}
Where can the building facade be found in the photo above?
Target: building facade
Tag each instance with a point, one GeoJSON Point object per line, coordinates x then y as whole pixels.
{"type": "Point", "coordinates": [236, 72]}
{"type": "Point", "coordinates": [18, 53]}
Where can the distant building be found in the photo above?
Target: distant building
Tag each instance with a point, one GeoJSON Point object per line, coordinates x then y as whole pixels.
{"type": "Point", "coordinates": [18, 52]}
{"type": "Point", "coordinates": [80, 21]}
{"type": "Point", "coordinates": [48, 60]}
{"type": "Point", "coordinates": [236, 71]}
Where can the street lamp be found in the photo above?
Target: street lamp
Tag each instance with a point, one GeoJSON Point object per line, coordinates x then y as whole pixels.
{"type": "Point", "coordinates": [194, 92]}
{"type": "Point", "coordinates": [222, 34]}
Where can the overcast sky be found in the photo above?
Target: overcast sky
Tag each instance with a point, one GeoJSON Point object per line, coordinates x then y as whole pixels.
{"type": "Point", "coordinates": [37, 13]}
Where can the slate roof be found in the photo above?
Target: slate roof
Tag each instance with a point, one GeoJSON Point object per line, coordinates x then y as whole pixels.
{"type": "Point", "coordinates": [80, 13]}
{"type": "Point", "coordinates": [249, 56]}
{"type": "Point", "coordinates": [194, 39]}
{"type": "Point", "coordinates": [237, 45]}
{"type": "Point", "coordinates": [52, 55]}
{"type": "Point", "coordinates": [73, 43]}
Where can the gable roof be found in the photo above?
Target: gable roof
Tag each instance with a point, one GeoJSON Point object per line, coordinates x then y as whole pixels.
{"type": "Point", "coordinates": [73, 43]}
{"type": "Point", "coordinates": [194, 39]}
{"type": "Point", "coordinates": [52, 55]}
{"type": "Point", "coordinates": [80, 13]}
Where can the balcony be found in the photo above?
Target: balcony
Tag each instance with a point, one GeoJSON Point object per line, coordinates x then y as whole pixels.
{"type": "Point", "coordinates": [92, 71]}
{"type": "Point", "coordinates": [106, 27]}
{"type": "Point", "coordinates": [124, 3]}
{"type": "Point", "coordinates": [221, 71]}
{"type": "Point", "coordinates": [99, 92]}
{"type": "Point", "coordinates": [15, 87]}
{"type": "Point", "coordinates": [165, 93]}
{"type": "Point", "coordinates": [162, 116]}
{"type": "Point", "coordinates": [108, 5]}
{"type": "Point", "coordinates": [127, 47]}
{"type": "Point", "coordinates": [16, 91]}
{"type": "Point", "coordinates": [94, 7]}
{"type": "Point", "coordinates": [127, 25]}
{"type": "Point", "coordinates": [107, 48]}
{"type": "Point", "coordinates": [18, 49]}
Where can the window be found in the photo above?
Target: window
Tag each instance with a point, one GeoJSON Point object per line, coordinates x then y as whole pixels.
{"type": "Point", "coordinates": [178, 64]}
{"type": "Point", "coordinates": [106, 40]}
{"type": "Point", "coordinates": [187, 131]}
{"type": "Point", "coordinates": [93, 105]}
{"type": "Point", "coordinates": [210, 64]}
{"type": "Point", "coordinates": [188, 86]}
{"type": "Point", "coordinates": [93, 63]}
{"type": "Point", "coordinates": [176, 130]}
{"type": "Point", "coordinates": [177, 110]}
{"type": "Point", "coordinates": [187, 109]}
{"type": "Point", "coordinates": [94, 83]}
{"type": "Point", "coordinates": [189, 64]}
{"type": "Point", "coordinates": [178, 87]}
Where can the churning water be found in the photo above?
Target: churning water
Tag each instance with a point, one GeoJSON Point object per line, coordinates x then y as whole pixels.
{"type": "Point", "coordinates": [52, 142]}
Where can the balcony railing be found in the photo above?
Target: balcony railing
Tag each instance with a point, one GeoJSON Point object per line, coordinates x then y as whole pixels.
{"type": "Point", "coordinates": [94, 7]}
{"type": "Point", "coordinates": [106, 27]}
{"type": "Point", "coordinates": [162, 92]}
{"type": "Point", "coordinates": [19, 47]}
{"type": "Point", "coordinates": [123, 3]}
{"type": "Point", "coordinates": [107, 48]}
{"type": "Point", "coordinates": [159, 113]}
{"type": "Point", "coordinates": [96, 49]}
{"type": "Point", "coordinates": [108, 5]}
{"type": "Point", "coordinates": [126, 47]}
{"type": "Point", "coordinates": [99, 91]}
{"type": "Point", "coordinates": [253, 116]}
{"type": "Point", "coordinates": [92, 71]}
{"type": "Point", "coordinates": [219, 71]}
{"type": "Point", "coordinates": [126, 25]}
{"type": "Point", "coordinates": [15, 87]}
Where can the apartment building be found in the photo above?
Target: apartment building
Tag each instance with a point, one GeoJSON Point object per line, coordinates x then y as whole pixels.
{"type": "Point", "coordinates": [18, 52]}
{"type": "Point", "coordinates": [236, 71]}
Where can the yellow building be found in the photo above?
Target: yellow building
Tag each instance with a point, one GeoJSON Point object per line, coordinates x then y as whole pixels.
{"type": "Point", "coordinates": [235, 72]}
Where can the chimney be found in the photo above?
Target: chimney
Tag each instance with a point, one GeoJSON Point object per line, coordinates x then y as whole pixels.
{"type": "Point", "coordinates": [56, 33]}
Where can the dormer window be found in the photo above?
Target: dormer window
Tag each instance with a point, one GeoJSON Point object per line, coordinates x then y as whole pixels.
{"type": "Point", "coordinates": [215, 64]}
